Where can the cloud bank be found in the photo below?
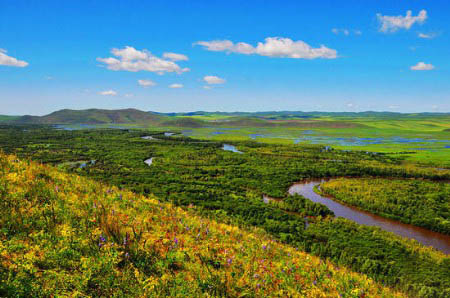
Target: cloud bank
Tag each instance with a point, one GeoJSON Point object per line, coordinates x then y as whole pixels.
{"type": "Point", "coordinates": [130, 59]}
{"type": "Point", "coordinates": [278, 47]}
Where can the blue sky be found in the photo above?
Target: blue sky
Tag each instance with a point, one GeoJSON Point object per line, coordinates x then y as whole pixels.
{"type": "Point", "coordinates": [347, 55]}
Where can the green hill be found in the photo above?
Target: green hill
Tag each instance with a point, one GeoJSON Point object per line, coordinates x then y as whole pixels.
{"type": "Point", "coordinates": [93, 116]}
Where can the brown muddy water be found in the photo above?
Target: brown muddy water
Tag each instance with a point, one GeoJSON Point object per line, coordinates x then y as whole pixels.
{"type": "Point", "coordinates": [424, 236]}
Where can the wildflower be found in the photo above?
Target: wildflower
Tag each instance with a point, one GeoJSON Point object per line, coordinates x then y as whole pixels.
{"type": "Point", "coordinates": [127, 255]}
{"type": "Point", "coordinates": [264, 247]}
{"type": "Point", "coordinates": [256, 275]}
{"type": "Point", "coordinates": [258, 285]}
{"type": "Point", "coordinates": [315, 282]}
{"type": "Point", "coordinates": [125, 239]}
{"type": "Point", "coordinates": [175, 240]}
{"type": "Point", "coordinates": [56, 188]}
{"type": "Point", "coordinates": [102, 239]}
{"type": "Point", "coordinates": [229, 261]}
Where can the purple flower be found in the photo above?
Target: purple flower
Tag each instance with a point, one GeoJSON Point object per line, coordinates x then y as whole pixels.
{"type": "Point", "coordinates": [175, 240]}
{"type": "Point", "coordinates": [229, 261]}
{"type": "Point", "coordinates": [127, 255]}
{"type": "Point", "coordinates": [264, 247]}
{"type": "Point", "coordinates": [315, 282]}
{"type": "Point", "coordinates": [258, 285]}
{"type": "Point", "coordinates": [102, 239]}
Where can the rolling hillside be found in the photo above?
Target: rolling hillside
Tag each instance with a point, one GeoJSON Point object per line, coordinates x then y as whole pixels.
{"type": "Point", "coordinates": [64, 235]}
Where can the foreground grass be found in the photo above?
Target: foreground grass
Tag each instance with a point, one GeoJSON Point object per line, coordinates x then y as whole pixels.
{"type": "Point", "coordinates": [66, 235]}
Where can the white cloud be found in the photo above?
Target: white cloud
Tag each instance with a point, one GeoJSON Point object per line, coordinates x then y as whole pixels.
{"type": "Point", "coordinates": [130, 59]}
{"type": "Point", "coordinates": [10, 61]}
{"type": "Point", "coordinates": [422, 66]}
{"type": "Point", "coordinates": [213, 80]}
{"type": "Point", "coordinates": [394, 23]}
{"type": "Point", "coordinates": [176, 86]}
{"type": "Point", "coordinates": [175, 57]}
{"type": "Point", "coordinates": [146, 83]}
{"type": "Point", "coordinates": [128, 95]}
{"type": "Point", "coordinates": [427, 35]}
{"type": "Point", "coordinates": [108, 93]}
{"type": "Point", "coordinates": [271, 47]}
{"type": "Point", "coordinates": [207, 87]}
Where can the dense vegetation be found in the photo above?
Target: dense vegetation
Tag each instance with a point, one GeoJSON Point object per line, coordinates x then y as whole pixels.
{"type": "Point", "coordinates": [421, 203]}
{"type": "Point", "coordinates": [299, 204]}
{"type": "Point", "coordinates": [230, 186]}
{"type": "Point", "coordinates": [65, 235]}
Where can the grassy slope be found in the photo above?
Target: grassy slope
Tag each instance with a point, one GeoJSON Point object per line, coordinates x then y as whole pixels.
{"type": "Point", "coordinates": [65, 235]}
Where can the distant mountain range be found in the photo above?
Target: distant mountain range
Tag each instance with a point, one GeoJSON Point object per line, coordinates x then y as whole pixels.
{"type": "Point", "coordinates": [92, 116]}
{"type": "Point", "coordinates": [202, 119]}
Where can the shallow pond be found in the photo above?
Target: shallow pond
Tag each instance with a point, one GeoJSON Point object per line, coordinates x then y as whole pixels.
{"type": "Point", "coordinates": [424, 236]}
{"type": "Point", "coordinates": [232, 148]}
{"type": "Point", "coordinates": [149, 161]}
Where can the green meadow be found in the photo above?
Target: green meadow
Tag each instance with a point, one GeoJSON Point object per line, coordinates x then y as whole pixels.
{"type": "Point", "coordinates": [418, 139]}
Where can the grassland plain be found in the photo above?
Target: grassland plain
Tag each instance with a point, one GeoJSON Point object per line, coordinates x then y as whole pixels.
{"type": "Point", "coordinates": [62, 234]}
{"type": "Point", "coordinates": [421, 203]}
{"type": "Point", "coordinates": [229, 186]}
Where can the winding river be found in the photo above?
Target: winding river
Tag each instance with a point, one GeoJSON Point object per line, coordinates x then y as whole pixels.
{"type": "Point", "coordinates": [424, 236]}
